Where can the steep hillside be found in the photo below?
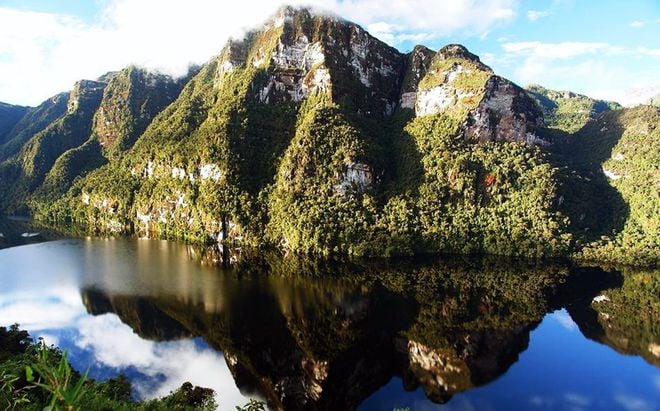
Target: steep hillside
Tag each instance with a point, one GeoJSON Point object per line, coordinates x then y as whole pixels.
{"type": "Point", "coordinates": [9, 116]}
{"type": "Point", "coordinates": [34, 121]}
{"type": "Point", "coordinates": [131, 99]}
{"type": "Point", "coordinates": [616, 159]}
{"type": "Point", "coordinates": [310, 135]}
{"type": "Point", "coordinates": [568, 111]}
{"type": "Point", "coordinates": [23, 173]}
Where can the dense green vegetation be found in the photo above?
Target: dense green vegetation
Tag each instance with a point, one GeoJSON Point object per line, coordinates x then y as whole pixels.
{"type": "Point", "coordinates": [24, 173]}
{"type": "Point", "coordinates": [568, 111]}
{"type": "Point", "coordinates": [626, 204]}
{"type": "Point", "coordinates": [625, 317]}
{"type": "Point", "coordinates": [34, 376]}
{"type": "Point", "coordinates": [34, 120]}
{"type": "Point", "coordinates": [253, 150]}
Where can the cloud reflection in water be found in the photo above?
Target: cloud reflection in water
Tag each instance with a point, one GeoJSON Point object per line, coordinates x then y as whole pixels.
{"type": "Point", "coordinates": [109, 347]}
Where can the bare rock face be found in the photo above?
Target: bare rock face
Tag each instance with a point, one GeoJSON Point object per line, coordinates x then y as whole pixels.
{"type": "Point", "coordinates": [357, 178]}
{"type": "Point", "coordinates": [84, 91]}
{"type": "Point", "coordinates": [441, 373]}
{"type": "Point", "coordinates": [457, 84]}
{"type": "Point", "coordinates": [419, 61]}
{"type": "Point", "coordinates": [473, 359]}
{"type": "Point", "coordinates": [303, 53]}
{"type": "Point", "coordinates": [506, 113]}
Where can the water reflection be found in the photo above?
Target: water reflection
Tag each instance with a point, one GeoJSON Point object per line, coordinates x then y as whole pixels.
{"type": "Point", "coordinates": [307, 334]}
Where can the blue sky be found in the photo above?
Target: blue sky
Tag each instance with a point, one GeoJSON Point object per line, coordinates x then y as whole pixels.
{"type": "Point", "coordinates": [600, 48]}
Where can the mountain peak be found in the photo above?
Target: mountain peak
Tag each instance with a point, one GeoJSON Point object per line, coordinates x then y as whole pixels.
{"type": "Point", "coordinates": [298, 15]}
{"type": "Point", "coordinates": [458, 51]}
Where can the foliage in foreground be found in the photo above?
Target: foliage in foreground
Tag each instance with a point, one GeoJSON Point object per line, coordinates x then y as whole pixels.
{"type": "Point", "coordinates": [35, 376]}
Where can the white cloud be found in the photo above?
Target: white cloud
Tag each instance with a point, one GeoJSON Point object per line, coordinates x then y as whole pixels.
{"type": "Point", "coordinates": [553, 51]}
{"type": "Point", "coordinates": [577, 400]}
{"type": "Point", "coordinates": [633, 403]}
{"type": "Point", "coordinates": [168, 364]}
{"type": "Point", "coordinates": [597, 69]}
{"type": "Point", "coordinates": [640, 92]}
{"type": "Point", "coordinates": [564, 320]}
{"type": "Point", "coordinates": [648, 52]}
{"type": "Point", "coordinates": [637, 24]}
{"type": "Point", "coordinates": [34, 311]}
{"type": "Point", "coordinates": [533, 15]}
{"type": "Point", "coordinates": [42, 53]}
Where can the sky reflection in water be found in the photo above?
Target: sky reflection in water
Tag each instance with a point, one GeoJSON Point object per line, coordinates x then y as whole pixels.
{"type": "Point", "coordinates": [318, 336]}
{"type": "Point", "coordinates": [43, 295]}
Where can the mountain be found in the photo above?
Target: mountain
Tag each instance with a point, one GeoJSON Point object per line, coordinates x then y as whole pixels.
{"type": "Point", "coordinates": [33, 121]}
{"type": "Point", "coordinates": [9, 116]}
{"type": "Point", "coordinates": [615, 160]}
{"type": "Point", "coordinates": [23, 173]}
{"type": "Point", "coordinates": [568, 111]}
{"type": "Point", "coordinates": [310, 135]}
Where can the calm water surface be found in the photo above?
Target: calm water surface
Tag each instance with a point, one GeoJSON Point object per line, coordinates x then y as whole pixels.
{"type": "Point", "coordinates": [455, 335]}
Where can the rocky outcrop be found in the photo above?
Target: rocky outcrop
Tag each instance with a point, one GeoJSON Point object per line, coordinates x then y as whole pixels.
{"type": "Point", "coordinates": [506, 113]}
{"type": "Point", "coordinates": [457, 84]}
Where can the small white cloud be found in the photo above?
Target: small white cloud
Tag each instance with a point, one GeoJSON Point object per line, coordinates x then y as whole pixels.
{"type": "Point", "coordinates": [637, 24]}
{"type": "Point", "coordinates": [533, 15]}
{"type": "Point", "coordinates": [49, 339]}
{"type": "Point", "coordinates": [564, 320]}
{"type": "Point", "coordinates": [648, 52]}
{"type": "Point", "coordinates": [488, 58]}
{"type": "Point", "coordinates": [556, 51]}
{"type": "Point", "coordinates": [539, 401]}
{"type": "Point", "coordinates": [576, 399]}
{"type": "Point", "coordinates": [632, 403]}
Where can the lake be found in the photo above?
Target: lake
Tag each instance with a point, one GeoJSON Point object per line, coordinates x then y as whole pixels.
{"type": "Point", "coordinates": [423, 334]}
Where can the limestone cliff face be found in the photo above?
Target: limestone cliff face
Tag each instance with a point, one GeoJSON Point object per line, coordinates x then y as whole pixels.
{"type": "Point", "coordinates": [417, 65]}
{"type": "Point", "coordinates": [457, 84]}
{"type": "Point", "coordinates": [304, 53]}
{"type": "Point", "coordinates": [505, 114]}
{"type": "Point", "coordinates": [477, 358]}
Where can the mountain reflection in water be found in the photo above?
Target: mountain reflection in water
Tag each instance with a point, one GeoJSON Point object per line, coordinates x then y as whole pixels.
{"type": "Point", "coordinates": [306, 334]}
